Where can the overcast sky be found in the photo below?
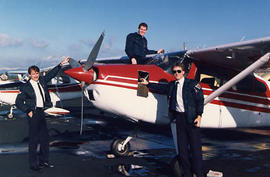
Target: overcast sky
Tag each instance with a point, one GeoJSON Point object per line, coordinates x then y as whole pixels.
{"type": "Point", "coordinates": [43, 32]}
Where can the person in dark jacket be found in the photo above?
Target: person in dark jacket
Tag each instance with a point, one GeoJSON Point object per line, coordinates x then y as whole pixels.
{"type": "Point", "coordinates": [32, 100]}
{"type": "Point", "coordinates": [136, 46]}
{"type": "Point", "coordinates": [186, 102]}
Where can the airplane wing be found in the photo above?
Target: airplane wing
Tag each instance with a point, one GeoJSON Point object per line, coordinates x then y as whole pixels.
{"type": "Point", "coordinates": [243, 57]}
{"type": "Point", "coordinates": [16, 72]}
{"type": "Point", "coordinates": [114, 60]}
{"type": "Point", "coordinates": [235, 56]}
{"type": "Point", "coordinates": [257, 64]}
{"type": "Point", "coordinates": [17, 75]}
{"type": "Point", "coordinates": [156, 59]}
{"type": "Point", "coordinates": [120, 59]}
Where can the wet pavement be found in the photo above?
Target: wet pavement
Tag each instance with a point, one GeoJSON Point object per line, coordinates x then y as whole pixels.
{"type": "Point", "coordinates": [235, 152]}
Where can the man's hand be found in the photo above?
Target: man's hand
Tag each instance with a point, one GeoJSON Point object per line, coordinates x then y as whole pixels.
{"type": "Point", "coordinates": [144, 81]}
{"type": "Point", "coordinates": [133, 61]}
{"type": "Point", "coordinates": [160, 51]}
{"type": "Point", "coordinates": [66, 60]}
{"type": "Point", "coordinates": [30, 114]}
{"type": "Point", "coordinates": [197, 121]}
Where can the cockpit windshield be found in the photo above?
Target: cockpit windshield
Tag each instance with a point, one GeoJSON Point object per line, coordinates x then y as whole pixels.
{"type": "Point", "coordinates": [61, 78]}
{"type": "Point", "coordinates": [165, 61]}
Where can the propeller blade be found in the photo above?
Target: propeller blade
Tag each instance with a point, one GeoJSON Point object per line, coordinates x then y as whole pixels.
{"type": "Point", "coordinates": [73, 63]}
{"type": "Point", "coordinates": [93, 54]}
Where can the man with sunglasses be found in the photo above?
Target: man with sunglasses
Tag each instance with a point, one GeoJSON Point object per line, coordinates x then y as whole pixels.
{"type": "Point", "coordinates": [186, 101]}
{"type": "Point", "coordinates": [136, 46]}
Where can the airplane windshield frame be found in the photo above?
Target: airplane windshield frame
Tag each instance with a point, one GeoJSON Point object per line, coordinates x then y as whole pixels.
{"type": "Point", "coordinates": [165, 61]}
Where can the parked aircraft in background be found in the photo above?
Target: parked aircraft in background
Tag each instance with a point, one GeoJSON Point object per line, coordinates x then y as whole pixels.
{"type": "Point", "coordinates": [61, 88]}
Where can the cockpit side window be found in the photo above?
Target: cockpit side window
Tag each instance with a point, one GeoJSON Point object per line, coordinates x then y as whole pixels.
{"type": "Point", "coordinates": [166, 61]}
{"type": "Point", "coordinates": [244, 85]}
{"type": "Point", "coordinates": [61, 78]}
{"type": "Point", "coordinates": [250, 84]}
{"type": "Point", "coordinates": [213, 77]}
{"type": "Point", "coordinates": [216, 77]}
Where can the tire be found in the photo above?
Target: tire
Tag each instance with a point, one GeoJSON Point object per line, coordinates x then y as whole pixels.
{"type": "Point", "coordinates": [10, 116]}
{"type": "Point", "coordinates": [176, 168]}
{"type": "Point", "coordinates": [115, 148]}
{"type": "Point", "coordinates": [124, 169]}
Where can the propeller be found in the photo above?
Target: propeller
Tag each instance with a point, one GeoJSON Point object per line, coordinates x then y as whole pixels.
{"type": "Point", "coordinates": [84, 72]}
{"type": "Point", "coordinates": [93, 54]}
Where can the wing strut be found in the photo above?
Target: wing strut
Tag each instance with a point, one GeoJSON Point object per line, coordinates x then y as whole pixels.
{"type": "Point", "coordinates": [261, 61]}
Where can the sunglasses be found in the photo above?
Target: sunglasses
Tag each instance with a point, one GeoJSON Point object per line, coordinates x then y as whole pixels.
{"type": "Point", "coordinates": [176, 71]}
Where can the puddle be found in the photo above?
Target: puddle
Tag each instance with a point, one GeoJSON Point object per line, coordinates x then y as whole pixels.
{"type": "Point", "coordinates": [253, 170]}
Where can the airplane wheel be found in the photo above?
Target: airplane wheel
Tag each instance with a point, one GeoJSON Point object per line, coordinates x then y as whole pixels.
{"type": "Point", "coordinates": [124, 169]}
{"type": "Point", "coordinates": [10, 116]}
{"type": "Point", "coordinates": [117, 149]}
{"type": "Point", "coordinates": [176, 168]}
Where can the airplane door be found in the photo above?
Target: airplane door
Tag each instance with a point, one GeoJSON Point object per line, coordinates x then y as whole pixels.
{"type": "Point", "coordinates": [212, 111]}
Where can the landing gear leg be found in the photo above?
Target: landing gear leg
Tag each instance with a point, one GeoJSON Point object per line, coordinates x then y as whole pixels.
{"type": "Point", "coordinates": [10, 115]}
{"type": "Point", "coordinates": [121, 147]}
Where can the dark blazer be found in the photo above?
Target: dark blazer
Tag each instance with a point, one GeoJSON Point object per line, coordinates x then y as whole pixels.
{"type": "Point", "coordinates": [136, 46]}
{"type": "Point", "coordinates": [26, 100]}
{"type": "Point", "coordinates": [192, 97]}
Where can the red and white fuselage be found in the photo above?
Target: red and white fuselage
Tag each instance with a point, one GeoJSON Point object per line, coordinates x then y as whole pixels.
{"type": "Point", "coordinates": [114, 89]}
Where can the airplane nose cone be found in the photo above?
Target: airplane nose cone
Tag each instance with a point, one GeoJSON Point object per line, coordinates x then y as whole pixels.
{"type": "Point", "coordinates": [81, 75]}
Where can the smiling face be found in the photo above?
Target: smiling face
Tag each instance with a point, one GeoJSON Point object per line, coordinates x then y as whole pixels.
{"type": "Point", "coordinates": [178, 72]}
{"type": "Point", "coordinates": [34, 75]}
{"type": "Point", "coordinates": [142, 30]}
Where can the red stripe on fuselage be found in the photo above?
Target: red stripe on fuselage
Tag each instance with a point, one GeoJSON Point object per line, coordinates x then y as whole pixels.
{"type": "Point", "coordinates": [240, 106]}
{"type": "Point", "coordinates": [60, 113]}
{"type": "Point", "coordinates": [247, 98]}
{"type": "Point", "coordinates": [123, 80]}
{"type": "Point", "coordinates": [110, 84]}
{"type": "Point", "coordinates": [9, 91]}
{"type": "Point", "coordinates": [217, 102]}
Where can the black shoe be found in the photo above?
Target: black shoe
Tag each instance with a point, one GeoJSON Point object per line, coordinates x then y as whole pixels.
{"type": "Point", "coordinates": [46, 164]}
{"type": "Point", "coordinates": [35, 168]}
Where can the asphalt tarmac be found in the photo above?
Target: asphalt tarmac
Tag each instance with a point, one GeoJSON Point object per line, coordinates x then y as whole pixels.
{"type": "Point", "coordinates": [234, 152]}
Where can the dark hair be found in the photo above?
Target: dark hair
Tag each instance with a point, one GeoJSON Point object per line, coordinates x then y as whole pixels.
{"type": "Point", "coordinates": [178, 64]}
{"type": "Point", "coordinates": [34, 68]}
{"type": "Point", "coordinates": [143, 24]}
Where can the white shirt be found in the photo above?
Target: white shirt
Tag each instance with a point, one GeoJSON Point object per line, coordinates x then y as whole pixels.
{"type": "Point", "coordinates": [39, 101]}
{"type": "Point", "coordinates": [179, 98]}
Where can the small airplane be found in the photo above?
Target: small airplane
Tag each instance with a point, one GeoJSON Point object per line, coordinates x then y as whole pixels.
{"type": "Point", "coordinates": [4, 79]}
{"type": "Point", "coordinates": [235, 96]}
{"type": "Point", "coordinates": [61, 88]}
